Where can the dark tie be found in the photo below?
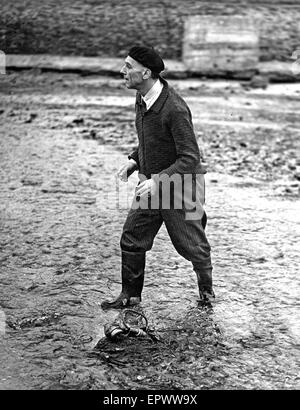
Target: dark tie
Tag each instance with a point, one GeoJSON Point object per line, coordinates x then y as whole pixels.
{"type": "Point", "coordinates": [144, 109]}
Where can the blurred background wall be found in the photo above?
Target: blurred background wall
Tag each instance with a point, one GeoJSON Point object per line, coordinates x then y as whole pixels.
{"type": "Point", "coordinates": [109, 27]}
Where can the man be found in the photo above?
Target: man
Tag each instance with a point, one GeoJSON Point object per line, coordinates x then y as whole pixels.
{"type": "Point", "coordinates": [167, 147]}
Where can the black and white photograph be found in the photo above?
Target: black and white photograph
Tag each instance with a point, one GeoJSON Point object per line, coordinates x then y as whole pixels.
{"type": "Point", "coordinates": [149, 198]}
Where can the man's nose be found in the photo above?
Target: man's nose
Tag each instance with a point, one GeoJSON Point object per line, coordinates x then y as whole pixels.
{"type": "Point", "coordinates": [122, 70]}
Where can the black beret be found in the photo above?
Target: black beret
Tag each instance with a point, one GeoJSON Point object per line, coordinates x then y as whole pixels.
{"type": "Point", "coordinates": [148, 57]}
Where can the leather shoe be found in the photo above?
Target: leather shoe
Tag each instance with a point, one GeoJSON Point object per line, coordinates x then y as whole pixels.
{"type": "Point", "coordinates": [121, 302]}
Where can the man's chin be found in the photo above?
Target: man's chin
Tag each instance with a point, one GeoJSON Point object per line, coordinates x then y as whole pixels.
{"type": "Point", "coordinates": [129, 85]}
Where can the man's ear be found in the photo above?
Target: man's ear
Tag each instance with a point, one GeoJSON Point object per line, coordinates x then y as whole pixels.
{"type": "Point", "coordinates": [147, 74]}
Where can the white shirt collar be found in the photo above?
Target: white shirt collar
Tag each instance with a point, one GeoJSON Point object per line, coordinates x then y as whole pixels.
{"type": "Point", "coordinates": [153, 94]}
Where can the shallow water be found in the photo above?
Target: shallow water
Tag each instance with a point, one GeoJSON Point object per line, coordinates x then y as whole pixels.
{"type": "Point", "coordinates": [61, 218]}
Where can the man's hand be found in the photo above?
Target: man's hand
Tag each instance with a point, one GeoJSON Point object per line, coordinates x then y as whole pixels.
{"type": "Point", "coordinates": [126, 170]}
{"type": "Point", "coordinates": [146, 188]}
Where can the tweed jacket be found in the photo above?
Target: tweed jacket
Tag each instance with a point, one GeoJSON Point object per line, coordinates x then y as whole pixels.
{"type": "Point", "coordinates": [167, 142]}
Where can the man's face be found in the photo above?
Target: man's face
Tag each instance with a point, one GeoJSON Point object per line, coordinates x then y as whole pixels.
{"type": "Point", "coordinates": [133, 73]}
